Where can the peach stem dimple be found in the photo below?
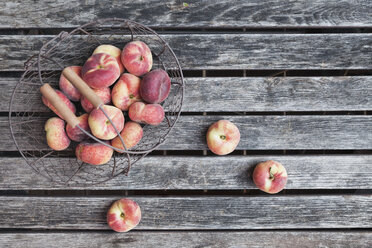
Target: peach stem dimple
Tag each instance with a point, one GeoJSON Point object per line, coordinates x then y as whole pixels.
{"type": "Point", "coordinates": [122, 215]}
{"type": "Point", "coordinates": [271, 177]}
{"type": "Point", "coordinates": [223, 137]}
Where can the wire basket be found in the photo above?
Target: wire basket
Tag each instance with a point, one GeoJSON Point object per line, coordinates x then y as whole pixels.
{"type": "Point", "coordinates": [27, 114]}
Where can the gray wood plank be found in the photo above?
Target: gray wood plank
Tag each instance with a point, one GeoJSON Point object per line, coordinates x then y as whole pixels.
{"type": "Point", "coordinates": [297, 132]}
{"type": "Point", "coordinates": [241, 94]}
{"type": "Point", "coordinates": [281, 239]}
{"type": "Point", "coordinates": [187, 213]}
{"type": "Point", "coordinates": [227, 51]}
{"type": "Point", "coordinates": [253, 13]}
{"type": "Point", "coordinates": [208, 173]}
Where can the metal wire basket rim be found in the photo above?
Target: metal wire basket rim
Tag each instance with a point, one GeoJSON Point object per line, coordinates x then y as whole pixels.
{"type": "Point", "coordinates": [63, 35]}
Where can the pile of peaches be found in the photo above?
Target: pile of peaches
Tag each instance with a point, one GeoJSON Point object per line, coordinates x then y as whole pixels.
{"type": "Point", "coordinates": [124, 81]}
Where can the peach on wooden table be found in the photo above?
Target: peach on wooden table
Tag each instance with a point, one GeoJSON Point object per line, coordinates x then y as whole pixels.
{"type": "Point", "coordinates": [113, 51]}
{"type": "Point", "coordinates": [152, 114]}
{"type": "Point", "coordinates": [101, 70]}
{"type": "Point", "coordinates": [136, 58]}
{"type": "Point", "coordinates": [123, 215]}
{"type": "Point", "coordinates": [270, 176]}
{"type": "Point", "coordinates": [64, 98]}
{"type": "Point", "coordinates": [93, 153]}
{"type": "Point", "coordinates": [155, 86]}
{"type": "Point", "coordinates": [101, 127]}
{"type": "Point", "coordinates": [131, 135]}
{"type": "Point", "coordinates": [126, 91]}
{"type": "Point", "coordinates": [68, 88]}
{"type": "Point", "coordinates": [55, 134]}
{"type": "Point", "coordinates": [75, 133]}
{"type": "Point", "coordinates": [223, 137]}
{"type": "Point", "coordinates": [103, 93]}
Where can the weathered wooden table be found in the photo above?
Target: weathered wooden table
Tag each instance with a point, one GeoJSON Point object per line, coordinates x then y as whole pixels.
{"type": "Point", "coordinates": [295, 76]}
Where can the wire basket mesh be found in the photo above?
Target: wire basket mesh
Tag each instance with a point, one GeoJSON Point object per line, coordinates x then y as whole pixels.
{"type": "Point", "coordinates": [27, 114]}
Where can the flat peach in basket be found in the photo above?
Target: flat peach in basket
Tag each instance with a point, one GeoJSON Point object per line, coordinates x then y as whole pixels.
{"type": "Point", "coordinates": [126, 91]}
{"type": "Point", "coordinates": [113, 51]}
{"type": "Point", "coordinates": [137, 58]}
{"type": "Point", "coordinates": [100, 71]}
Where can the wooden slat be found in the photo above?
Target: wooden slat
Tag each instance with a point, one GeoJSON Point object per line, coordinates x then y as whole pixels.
{"type": "Point", "coordinates": [258, 94]}
{"type": "Point", "coordinates": [240, 13]}
{"type": "Point", "coordinates": [257, 133]}
{"type": "Point", "coordinates": [279, 239]}
{"type": "Point", "coordinates": [199, 173]}
{"type": "Point", "coordinates": [271, 212]}
{"type": "Point", "coordinates": [228, 51]}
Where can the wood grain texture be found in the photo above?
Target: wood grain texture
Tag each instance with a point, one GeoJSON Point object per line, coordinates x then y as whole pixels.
{"type": "Point", "coordinates": [242, 94]}
{"type": "Point", "coordinates": [187, 213]}
{"type": "Point", "coordinates": [208, 172]}
{"type": "Point", "coordinates": [257, 133]}
{"type": "Point", "coordinates": [227, 51]}
{"type": "Point", "coordinates": [281, 239]}
{"type": "Point", "coordinates": [239, 13]}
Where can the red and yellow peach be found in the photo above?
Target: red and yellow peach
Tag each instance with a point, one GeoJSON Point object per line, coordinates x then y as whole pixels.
{"type": "Point", "coordinates": [113, 51]}
{"type": "Point", "coordinates": [100, 71]}
{"type": "Point", "coordinates": [104, 94]}
{"type": "Point", "coordinates": [68, 88]}
{"type": "Point", "coordinates": [223, 137]}
{"type": "Point", "coordinates": [152, 114]}
{"type": "Point", "coordinates": [155, 86]}
{"type": "Point", "coordinates": [101, 127]}
{"type": "Point", "coordinates": [93, 153]}
{"type": "Point", "coordinates": [136, 58]}
{"type": "Point", "coordinates": [75, 133]}
{"type": "Point", "coordinates": [270, 176]}
{"type": "Point", "coordinates": [64, 98]}
{"type": "Point", "coordinates": [55, 134]}
{"type": "Point", "coordinates": [126, 91]}
{"type": "Point", "coordinates": [123, 215]}
{"type": "Point", "coordinates": [131, 135]}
